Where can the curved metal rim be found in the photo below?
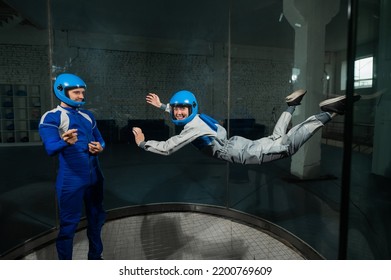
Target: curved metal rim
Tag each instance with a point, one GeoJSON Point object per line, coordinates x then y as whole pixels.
{"type": "Point", "coordinates": [277, 232]}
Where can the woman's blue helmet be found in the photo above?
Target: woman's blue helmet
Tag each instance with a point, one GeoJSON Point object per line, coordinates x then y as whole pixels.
{"type": "Point", "coordinates": [63, 83]}
{"type": "Point", "coordinates": [187, 99]}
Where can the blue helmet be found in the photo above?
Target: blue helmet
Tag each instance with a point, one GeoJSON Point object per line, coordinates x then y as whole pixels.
{"type": "Point", "coordinates": [187, 99]}
{"type": "Point", "coordinates": [65, 82]}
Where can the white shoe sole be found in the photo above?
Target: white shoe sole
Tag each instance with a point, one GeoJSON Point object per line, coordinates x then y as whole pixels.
{"type": "Point", "coordinates": [293, 96]}
{"type": "Point", "coordinates": [332, 100]}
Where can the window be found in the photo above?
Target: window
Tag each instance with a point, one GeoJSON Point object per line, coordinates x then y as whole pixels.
{"type": "Point", "coordinates": [363, 73]}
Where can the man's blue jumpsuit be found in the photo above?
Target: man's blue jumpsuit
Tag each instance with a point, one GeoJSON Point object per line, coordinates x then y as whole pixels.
{"type": "Point", "coordinates": [79, 177]}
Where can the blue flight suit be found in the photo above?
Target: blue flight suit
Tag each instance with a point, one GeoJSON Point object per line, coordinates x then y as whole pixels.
{"type": "Point", "coordinates": [79, 177]}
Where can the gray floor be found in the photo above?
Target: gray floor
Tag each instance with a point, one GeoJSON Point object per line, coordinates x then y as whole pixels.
{"type": "Point", "coordinates": [178, 236]}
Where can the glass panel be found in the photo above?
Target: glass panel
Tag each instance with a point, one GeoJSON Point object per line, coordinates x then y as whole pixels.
{"type": "Point", "coordinates": [279, 47]}
{"type": "Point", "coordinates": [369, 229]}
{"type": "Point", "coordinates": [124, 51]}
{"type": "Point", "coordinates": [27, 205]}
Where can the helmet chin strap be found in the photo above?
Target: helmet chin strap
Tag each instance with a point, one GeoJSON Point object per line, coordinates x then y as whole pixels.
{"type": "Point", "coordinates": [72, 103]}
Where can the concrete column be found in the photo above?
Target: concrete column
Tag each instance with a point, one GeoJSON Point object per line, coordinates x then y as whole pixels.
{"type": "Point", "coordinates": [309, 19]}
{"type": "Point", "coordinates": [381, 162]}
{"type": "Point", "coordinates": [62, 53]}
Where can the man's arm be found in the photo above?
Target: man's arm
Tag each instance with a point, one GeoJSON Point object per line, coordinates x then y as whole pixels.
{"type": "Point", "coordinates": [49, 132]}
{"type": "Point", "coordinates": [53, 142]}
{"type": "Point", "coordinates": [190, 132]}
{"type": "Point", "coordinates": [138, 135]}
{"type": "Point", "coordinates": [154, 100]}
{"type": "Point", "coordinates": [97, 146]}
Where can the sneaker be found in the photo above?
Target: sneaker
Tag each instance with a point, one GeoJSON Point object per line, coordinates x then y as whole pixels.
{"type": "Point", "coordinates": [294, 98]}
{"type": "Point", "coordinates": [336, 104]}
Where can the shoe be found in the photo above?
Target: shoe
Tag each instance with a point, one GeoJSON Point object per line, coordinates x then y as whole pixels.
{"type": "Point", "coordinates": [294, 98]}
{"type": "Point", "coordinates": [100, 258]}
{"type": "Point", "coordinates": [336, 104]}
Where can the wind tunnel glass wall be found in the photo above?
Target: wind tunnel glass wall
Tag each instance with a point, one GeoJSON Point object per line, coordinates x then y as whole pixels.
{"type": "Point", "coordinates": [27, 200]}
{"type": "Point", "coordinates": [125, 52]}
{"type": "Point", "coordinates": [369, 229]}
{"type": "Point", "coordinates": [240, 58]}
{"type": "Point", "coordinates": [285, 48]}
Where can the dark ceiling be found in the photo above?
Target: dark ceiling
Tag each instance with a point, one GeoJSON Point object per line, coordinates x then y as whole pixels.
{"type": "Point", "coordinates": [252, 22]}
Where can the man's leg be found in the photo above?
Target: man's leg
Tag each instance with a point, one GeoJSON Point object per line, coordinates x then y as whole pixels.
{"type": "Point", "coordinates": [292, 101]}
{"type": "Point", "coordinates": [300, 134]}
{"type": "Point", "coordinates": [96, 217]}
{"type": "Point", "coordinates": [70, 202]}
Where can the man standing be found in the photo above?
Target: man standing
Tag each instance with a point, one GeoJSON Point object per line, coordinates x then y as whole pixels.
{"type": "Point", "coordinates": [71, 133]}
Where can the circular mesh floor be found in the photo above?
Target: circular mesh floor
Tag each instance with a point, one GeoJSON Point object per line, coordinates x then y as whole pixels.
{"type": "Point", "coordinates": [178, 236]}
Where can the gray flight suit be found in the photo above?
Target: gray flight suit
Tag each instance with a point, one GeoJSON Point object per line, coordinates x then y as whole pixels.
{"type": "Point", "coordinates": [211, 138]}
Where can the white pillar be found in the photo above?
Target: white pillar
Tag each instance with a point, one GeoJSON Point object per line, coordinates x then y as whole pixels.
{"type": "Point", "coordinates": [309, 19]}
